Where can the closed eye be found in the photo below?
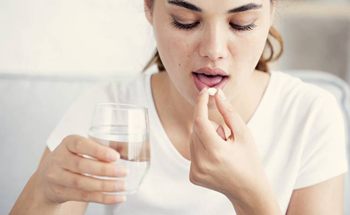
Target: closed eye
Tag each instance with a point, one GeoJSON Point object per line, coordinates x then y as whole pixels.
{"type": "Point", "coordinates": [242, 27]}
{"type": "Point", "coordinates": [183, 26]}
{"type": "Point", "coordinates": [190, 26]}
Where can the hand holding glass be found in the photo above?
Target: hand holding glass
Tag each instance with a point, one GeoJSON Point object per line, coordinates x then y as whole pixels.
{"type": "Point", "coordinates": [125, 129]}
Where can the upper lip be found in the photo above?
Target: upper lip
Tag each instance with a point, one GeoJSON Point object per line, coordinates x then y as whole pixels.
{"type": "Point", "coordinates": [210, 71]}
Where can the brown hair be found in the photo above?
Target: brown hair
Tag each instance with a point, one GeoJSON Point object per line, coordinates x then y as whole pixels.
{"type": "Point", "coordinates": [269, 54]}
{"type": "Point", "coordinates": [272, 50]}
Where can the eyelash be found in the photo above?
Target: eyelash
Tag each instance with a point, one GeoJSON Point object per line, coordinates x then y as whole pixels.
{"type": "Point", "coordinates": [190, 26]}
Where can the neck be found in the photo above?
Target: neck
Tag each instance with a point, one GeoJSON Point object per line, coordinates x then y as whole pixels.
{"type": "Point", "coordinates": [177, 109]}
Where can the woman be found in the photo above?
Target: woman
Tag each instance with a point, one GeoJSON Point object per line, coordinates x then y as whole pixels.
{"type": "Point", "coordinates": [265, 143]}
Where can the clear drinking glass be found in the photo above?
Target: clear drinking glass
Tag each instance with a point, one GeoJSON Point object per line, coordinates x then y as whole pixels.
{"type": "Point", "coordinates": [124, 128]}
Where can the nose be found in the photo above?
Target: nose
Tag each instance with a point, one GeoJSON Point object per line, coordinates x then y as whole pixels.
{"type": "Point", "coordinates": [213, 43]}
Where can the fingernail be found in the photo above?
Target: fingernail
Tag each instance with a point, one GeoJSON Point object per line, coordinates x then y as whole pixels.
{"type": "Point", "coordinates": [119, 199]}
{"type": "Point", "coordinates": [221, 94]}
{"type": "Point", "coordinates": [123, 199]}
{"type": "Point", "coordinates": [122, 185]}
{"type": "Point", "coordinates": [203, 90]}
{"type": "Point", "coordinates": [112, 155]}
{"type": "Point", "coordinates": [127, 172]}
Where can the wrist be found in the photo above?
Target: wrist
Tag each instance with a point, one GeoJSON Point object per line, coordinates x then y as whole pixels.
{"type": "Point", "coordinates": [259, 201]}
{"type": "Point", "coordinates": [33, 201]}
{"type": "Point", "coordinates": [39, 198]}
{"type": "Point", "coordinates": [257, 205]}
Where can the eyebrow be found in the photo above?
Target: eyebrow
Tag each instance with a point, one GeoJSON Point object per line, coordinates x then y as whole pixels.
{"type": "Point", "coordinates": [250, 6]}
{"type": "Point", "coordinates": [187, 5]}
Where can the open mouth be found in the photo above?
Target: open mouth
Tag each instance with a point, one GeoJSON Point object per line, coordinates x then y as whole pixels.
{"type": "Point", "coordinates": [202, 80]}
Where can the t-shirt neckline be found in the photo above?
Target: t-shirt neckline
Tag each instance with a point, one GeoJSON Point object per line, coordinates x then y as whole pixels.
{"type": "Point", "coordinates": [264, 101]}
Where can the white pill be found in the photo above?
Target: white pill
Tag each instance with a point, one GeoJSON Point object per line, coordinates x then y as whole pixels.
{"type": "Point", "coordinates": [212, 91]}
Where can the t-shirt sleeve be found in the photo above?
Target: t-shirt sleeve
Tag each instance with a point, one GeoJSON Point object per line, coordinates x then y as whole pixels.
{"type": "Point", "coordinates": [77, 118]}
{"type": "Point", "coordinates": [324, 153]}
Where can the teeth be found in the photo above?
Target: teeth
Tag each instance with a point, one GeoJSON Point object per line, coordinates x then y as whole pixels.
{"type": "Point", "coordinates": [212, 91]}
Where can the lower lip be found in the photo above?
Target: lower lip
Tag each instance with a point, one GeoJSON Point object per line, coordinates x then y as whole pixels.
{"type": "Point", "coordinates": [200, 85]}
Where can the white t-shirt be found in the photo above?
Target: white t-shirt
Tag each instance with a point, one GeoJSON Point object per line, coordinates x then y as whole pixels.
{"type": "Point", "coordinates": [298, 128]}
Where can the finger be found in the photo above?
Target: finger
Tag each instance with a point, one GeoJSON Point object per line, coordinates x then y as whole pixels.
{"type": "Point", "coordinates": [84, 146]}
{"type": "Point", "coordinates": [90, 184]}
{"type": "Point", "coordinates": [193, 148]}
{"type": "Point", "coordinates": [121, 147]}
{"type": "Point", "coordinates": [202, 126]}
{"type": "Point", "coordinates": [197, 146]}
{"type": "Point", "coordinates": [86, 196]}
{"type": "Point", "coordinates": [232, 119]}
{"type": "Point", "coordinates": [83, 165]}
{"type": "Point", "coordinates": [198, 153]}
{"type": "Point", "coordinates": [201, 107]}
{"type": "Point", "coordinates": [221, 132]}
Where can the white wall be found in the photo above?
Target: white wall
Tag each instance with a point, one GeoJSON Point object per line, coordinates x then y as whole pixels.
{"type": "Point", "coordinates": [73, 36]}
{"type": "Point", "coordinates": [316, 36]}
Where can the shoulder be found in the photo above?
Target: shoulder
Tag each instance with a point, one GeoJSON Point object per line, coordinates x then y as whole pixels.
{"type": "Point", "coordinates": [305, 106]}
{"type": "Point", "coordinates": [293, 91]}
{"type": "Point", "coordinates": [293, 85]}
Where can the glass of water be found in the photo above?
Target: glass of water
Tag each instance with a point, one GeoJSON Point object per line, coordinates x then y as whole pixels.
{"type": "Point", "coordinates": [124, 128]}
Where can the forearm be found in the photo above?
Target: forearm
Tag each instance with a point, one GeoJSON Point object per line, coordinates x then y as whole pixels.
{"type": "Point", "coordinates": [31, 201]}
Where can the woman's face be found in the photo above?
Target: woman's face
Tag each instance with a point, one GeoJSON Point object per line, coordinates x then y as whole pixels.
{"type": "Point", "coordinates": [210, 43]}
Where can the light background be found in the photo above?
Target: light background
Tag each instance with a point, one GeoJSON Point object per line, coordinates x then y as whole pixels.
{"type": "Point", "coordinates": [112, 37]}
{"type": "Point", "coordinates": [65, 37]}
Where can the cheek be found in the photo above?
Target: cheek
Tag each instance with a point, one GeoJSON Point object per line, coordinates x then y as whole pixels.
{"type": "Point", "coordinates": [246, 50]}
{"type": "Point", "coordinates": [173, 47]}
{"type": "Point", "coordinates": [248, 47]}
{"type": "Point", "coordinates": [175, 51]}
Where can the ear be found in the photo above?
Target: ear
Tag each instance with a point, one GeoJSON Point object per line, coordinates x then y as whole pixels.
{"type": "Point", "coordinates": [148, 5]}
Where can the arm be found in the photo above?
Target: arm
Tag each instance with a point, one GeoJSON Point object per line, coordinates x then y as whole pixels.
{"type": "Point", "coordinates": [323, 198]}
{"type": "Point", "coordinates": [31, 202]}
